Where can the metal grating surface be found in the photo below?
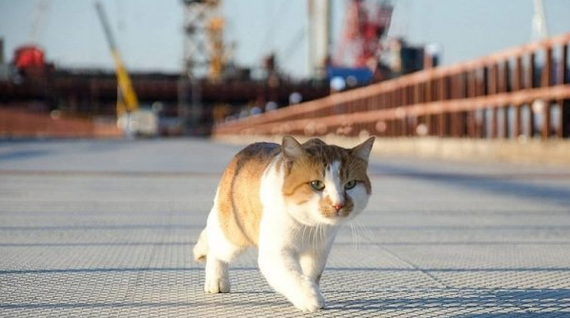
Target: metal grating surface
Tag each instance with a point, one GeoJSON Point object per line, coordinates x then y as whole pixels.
{"type": "Point", "coordinates": [93, 243]}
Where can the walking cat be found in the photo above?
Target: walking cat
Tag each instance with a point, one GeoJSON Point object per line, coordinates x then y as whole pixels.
{"type": "Point", "coordinates": [287, 200]}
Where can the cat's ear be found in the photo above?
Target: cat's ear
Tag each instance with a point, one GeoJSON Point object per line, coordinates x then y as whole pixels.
{"type": "Point", "coordinates": [314, 142]}
{"type": "Point", "coordinates": [291, 148]}
{"type": "Point", "coordinates": [362, 151]}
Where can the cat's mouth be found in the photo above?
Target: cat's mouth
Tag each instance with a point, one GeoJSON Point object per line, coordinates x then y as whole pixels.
{"type": "Point", "coordinates": [332, 213]}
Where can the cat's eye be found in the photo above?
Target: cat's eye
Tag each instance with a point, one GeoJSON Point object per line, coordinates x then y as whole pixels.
{"type": "Point", "coordinates": [317, 185]}
{"type": "Point", "coordinates": [350, 184]}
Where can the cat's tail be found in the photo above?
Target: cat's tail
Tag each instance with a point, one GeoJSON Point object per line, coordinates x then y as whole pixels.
{"type": "Point", "coordinates": [201, 247]}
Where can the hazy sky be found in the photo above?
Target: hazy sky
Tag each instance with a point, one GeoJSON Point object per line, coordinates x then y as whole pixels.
{"type": "Point", "coordinates": [150, 35]}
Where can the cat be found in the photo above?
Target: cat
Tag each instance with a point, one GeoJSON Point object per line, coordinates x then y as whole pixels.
{"type": "Point", "coordinates": [287, 200]}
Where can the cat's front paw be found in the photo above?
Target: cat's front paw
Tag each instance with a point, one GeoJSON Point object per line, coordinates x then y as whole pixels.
{"type": "Point", "coordinates": [217, 285]}
{"type": "Point", "coordinates": [310, 300]}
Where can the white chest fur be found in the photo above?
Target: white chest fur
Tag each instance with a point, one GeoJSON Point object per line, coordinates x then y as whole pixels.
{"type": "Point", "coordinates": [293, 245]}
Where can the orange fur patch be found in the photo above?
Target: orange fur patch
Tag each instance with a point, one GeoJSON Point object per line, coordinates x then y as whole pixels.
{"type": "Point", "coordinates": [238, 201]}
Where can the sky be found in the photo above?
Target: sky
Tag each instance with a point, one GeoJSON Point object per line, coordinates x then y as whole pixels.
{"type": "Point", "coordinates": [150, 37]}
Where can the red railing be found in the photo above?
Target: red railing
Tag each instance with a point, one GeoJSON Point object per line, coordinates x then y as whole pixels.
{"type": "Point", "coordinates": [518, 92]}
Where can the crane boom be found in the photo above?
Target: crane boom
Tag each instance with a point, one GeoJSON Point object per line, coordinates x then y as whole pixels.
{"type": "Point", "coordinates": [127, 99]}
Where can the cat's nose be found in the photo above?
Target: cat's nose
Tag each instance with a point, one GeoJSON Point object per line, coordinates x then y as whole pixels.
{"type": "Point", "coordinates": [338, 206]}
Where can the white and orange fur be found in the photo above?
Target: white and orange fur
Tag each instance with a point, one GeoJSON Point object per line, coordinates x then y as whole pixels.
{"type": "Point", "coordinates": [289, 201]}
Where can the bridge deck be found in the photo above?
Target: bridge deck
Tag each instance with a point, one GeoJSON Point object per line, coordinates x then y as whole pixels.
{"type": "Point", "coordinates": [105, 228]}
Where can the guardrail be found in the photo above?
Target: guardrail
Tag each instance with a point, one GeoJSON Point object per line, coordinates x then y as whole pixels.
{"type": "Point", "coordinates": [520, 92]}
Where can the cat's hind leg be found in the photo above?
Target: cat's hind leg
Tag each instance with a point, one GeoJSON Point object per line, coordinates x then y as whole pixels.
{"type": "Point", "coordinates": [201, 247]}
{"type": "Point", "coordinates": [220, 252]}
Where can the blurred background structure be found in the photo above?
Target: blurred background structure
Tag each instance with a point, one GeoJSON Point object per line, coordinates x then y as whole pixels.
{"type": "Point", "coordinates": [202, 67]}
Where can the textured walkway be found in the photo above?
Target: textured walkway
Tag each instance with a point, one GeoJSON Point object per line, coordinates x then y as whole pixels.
{"type": "Point", "coordinates": [105, 228]}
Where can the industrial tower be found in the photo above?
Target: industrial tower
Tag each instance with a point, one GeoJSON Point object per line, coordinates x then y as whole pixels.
{"type": "Point", "coordinates": [203, 39]}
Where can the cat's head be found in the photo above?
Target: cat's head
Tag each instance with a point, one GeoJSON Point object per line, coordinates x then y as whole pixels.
{"type": "Point", "coordinates": [325, 184]}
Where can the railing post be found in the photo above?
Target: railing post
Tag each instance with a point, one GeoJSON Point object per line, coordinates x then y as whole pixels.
{"type": "Point", "coordinates": [518, 74]}
{"type": "Point", "coordinates": [530, 85]}
{"type": "Point", "coordinates": [430, 120]}
{"type": "Point", "coordinates": [531, 127]}
{"type": "Point", "coordinates": [480, 123]}
{"type": "Point", "coordinates": [492, 90]}
{"type": "Point", "coordinates": [405, 96]}
{"type": "Point", "coordinates": [504, 76]}
{"type": "Point", "coordinates": [517, 86]}
{"type": "Point", "coordinates": [471, 92]}
{"type": "Point", "coordinates": [546, 80]}
{"type": "Point", "coordinates": [443, 116]}
{"type": "Point", "coordinates": [563, 104]}
{"type": "Point", "coordinates": [531, 72]}
{"type": "Point", "coordinates": [546, 121]}
{"type": "Point", "coordinates": [472, 124]}
{"type": "Point", "coordinates": [517, 121]}
{"type": "Point", "coordinates": [460, 124]}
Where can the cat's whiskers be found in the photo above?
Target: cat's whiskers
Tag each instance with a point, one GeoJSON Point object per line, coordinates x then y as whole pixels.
{"type": "Point", "coordinates": [311, 237]}
{"type": "Point", "coordinates": [304, 237]}
{"type": "Point", "coordinates": [354, 235]}
{"type": "Point", "coordinates": [357, 234]}
{"type": "Point", "coordinates": [361, 232]}
{"type": "Point", "coordinates": [315, 234]}
{"type": "Point", "coordinates": [323, 232]}
{"type": "Point", "coordinates": [367, 232]}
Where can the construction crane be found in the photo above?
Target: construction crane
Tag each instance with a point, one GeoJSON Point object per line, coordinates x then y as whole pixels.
{"type": "Point", "coordinates": [365, 23]}
{"type": "Point", "coordinates": [130, 117]}
{"type": "Point", "coordinates": [204, 47]}
{"type": "Point", "coordinates": [216, 39]}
